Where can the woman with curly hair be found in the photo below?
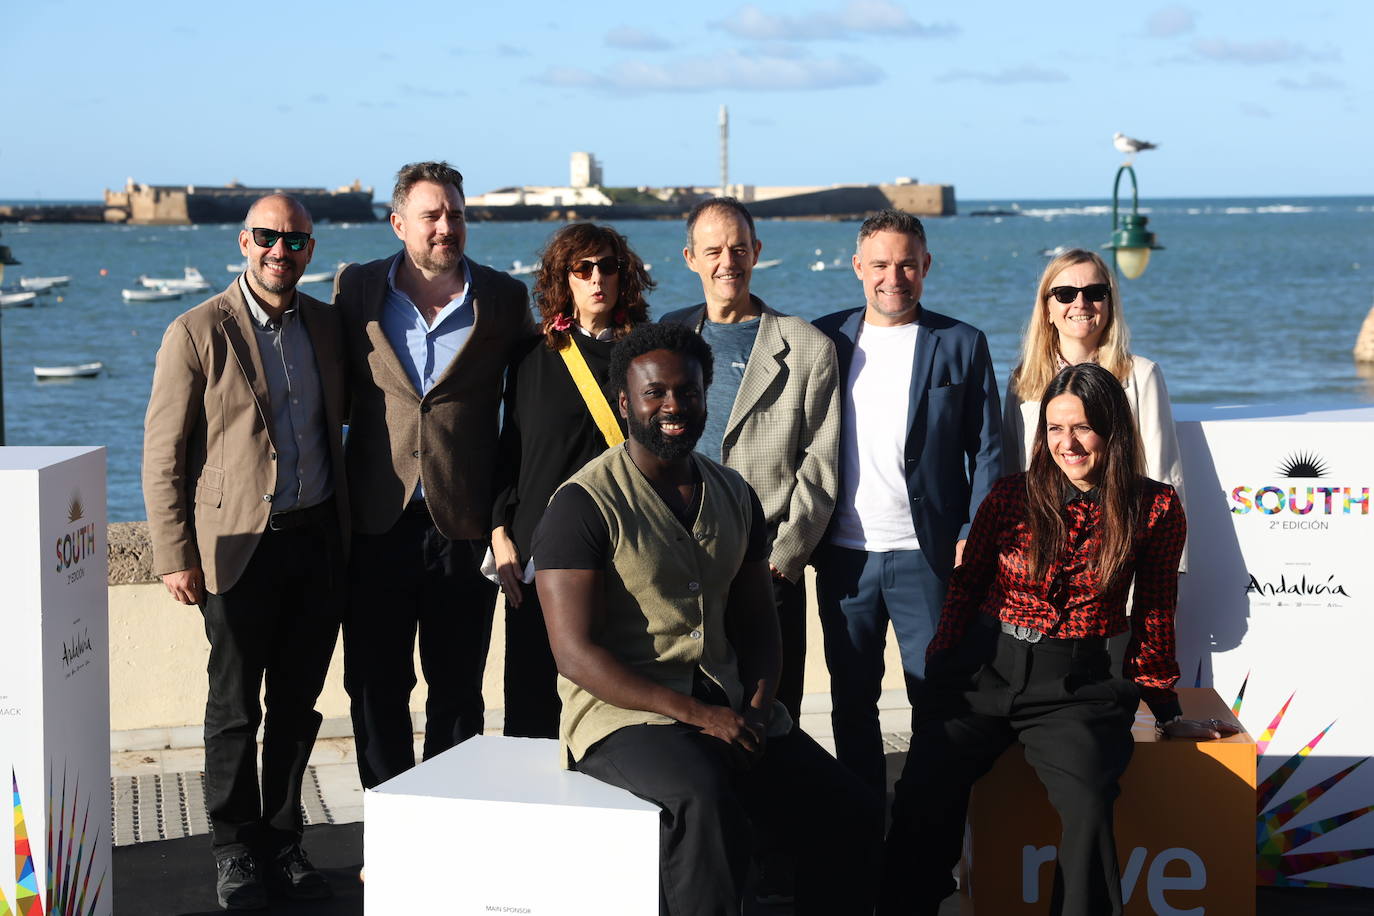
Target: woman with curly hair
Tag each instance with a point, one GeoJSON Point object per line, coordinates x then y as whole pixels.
{"type": "Point", "coordinates": [589, 290]}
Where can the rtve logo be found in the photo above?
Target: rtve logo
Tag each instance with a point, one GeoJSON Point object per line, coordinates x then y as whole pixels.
{"type": "Point", "coordinates": [1157, 883]}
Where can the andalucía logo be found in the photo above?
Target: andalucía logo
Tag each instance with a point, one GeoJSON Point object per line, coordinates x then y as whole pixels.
{"type": "Point", "coordinates": [78, 647]}
{"type": "Point", "coordinates": [79, 543]}
{"type": "Point", "coordinates": [1272, 499]}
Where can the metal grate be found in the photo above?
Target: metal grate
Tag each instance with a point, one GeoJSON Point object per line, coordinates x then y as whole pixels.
{"type": "Point", "coordinates": [171, 805]}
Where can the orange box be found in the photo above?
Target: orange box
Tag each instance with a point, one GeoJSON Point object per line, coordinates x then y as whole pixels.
{"type": "Point", "coordinates": [1185, 826]}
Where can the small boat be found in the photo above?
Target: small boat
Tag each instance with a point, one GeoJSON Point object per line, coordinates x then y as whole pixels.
{"type": "Point", "coordinates": [518, 268]}
{"type": "Point", "coordinates": [80, 370]}
{"type": "Point", "coordinates": [238, 268]}
{"type": "Point", "coordinates": [17, 300]}
{"type": "Point", "coordinates": [1054, 252]}
{"type": "Point", "coordinates": [322, 276]}
{"type": "Point", "coordinates": [42, 284]}
{"type": "Point", "coordinates": [818, 265]}
{"type": "Point", "coordinates": [764, 265]}
{"type": "Point", "coordinates": [192, 282]}
{"type": "Point", "coordinates": [151, 295]}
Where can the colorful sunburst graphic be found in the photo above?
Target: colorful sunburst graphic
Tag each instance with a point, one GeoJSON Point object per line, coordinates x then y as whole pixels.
{"type": "Point", "coordinates": [1277, 861]}
{"type": "Point", "coordinates": [70, 859]}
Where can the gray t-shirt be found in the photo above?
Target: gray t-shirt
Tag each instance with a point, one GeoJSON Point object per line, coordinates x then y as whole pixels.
{"type": "Point", "coordinates": [731, 345]}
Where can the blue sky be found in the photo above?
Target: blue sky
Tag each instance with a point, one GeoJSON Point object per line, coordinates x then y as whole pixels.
{"type": "Point", "coordinates": [1007, 100]}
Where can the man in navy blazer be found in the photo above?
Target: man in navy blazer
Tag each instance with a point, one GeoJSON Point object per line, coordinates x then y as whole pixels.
{"type": "Point", "coordinates": [910, 480]}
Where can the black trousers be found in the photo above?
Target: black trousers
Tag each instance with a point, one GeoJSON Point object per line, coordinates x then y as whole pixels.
{"type": "Point", "coordinates": [412, 581]}
{"type": "Point", "coordinates": [279, 622]}
{"type": "Point", "coordinates": [798, 797]}
{"type": "Point", "coordinates": [790, 600]}
{"type": "Point", "coordinates": [1074, 719]}
{"type": "Point", "coordinates": [531, 686]}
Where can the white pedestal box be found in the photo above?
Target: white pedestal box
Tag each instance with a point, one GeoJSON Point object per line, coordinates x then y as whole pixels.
{"type": "Point", "coordinates": [496, 826]}
{"type": "Point", "coordinates": [54, 682]}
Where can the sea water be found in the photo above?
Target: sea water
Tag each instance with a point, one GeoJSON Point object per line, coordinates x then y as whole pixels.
{"type": "Point", "coordinates": [1250, 302]}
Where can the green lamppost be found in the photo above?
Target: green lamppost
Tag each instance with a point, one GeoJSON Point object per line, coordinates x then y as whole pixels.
{"type": "Point", "coordinates": [5, 258]}
{"type": "Point", "coordinates": [1131, 242]}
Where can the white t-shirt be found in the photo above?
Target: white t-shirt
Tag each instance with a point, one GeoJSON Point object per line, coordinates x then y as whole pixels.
{"type": "Point", "coordinates": [873, 511]}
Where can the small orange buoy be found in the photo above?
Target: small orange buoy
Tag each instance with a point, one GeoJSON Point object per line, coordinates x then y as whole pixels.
{"type": "Point", "coordinates": [104, 272]}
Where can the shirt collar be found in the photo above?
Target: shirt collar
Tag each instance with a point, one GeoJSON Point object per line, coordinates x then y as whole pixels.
{"type": "Point", "coordinates": [606, 333]}
{"type": "Point", "coordinates": [1073, 494]}
{"type": "Point", "coordinates": [260, 316]}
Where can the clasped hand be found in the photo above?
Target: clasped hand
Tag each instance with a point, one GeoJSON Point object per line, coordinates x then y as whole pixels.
{"type": "Point", "coordinates": [1197, 730]}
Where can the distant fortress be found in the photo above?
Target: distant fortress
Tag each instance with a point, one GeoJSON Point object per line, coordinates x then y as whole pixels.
{"type": "Point", "coordinates": [584, 197]}
{"type": "Point", "coordinates": [175, 205]}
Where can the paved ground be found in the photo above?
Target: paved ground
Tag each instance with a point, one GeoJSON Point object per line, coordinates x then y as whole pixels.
{"type": "Point", "coordinates": [159, 796]}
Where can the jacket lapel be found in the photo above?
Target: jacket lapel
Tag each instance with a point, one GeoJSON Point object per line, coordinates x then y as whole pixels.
{"type": "Point", "coordinates": [324, 339]}
{"type": "Point", "coordinates": [374, 300]}
{"type": "Point", "coordinates": [238, 330]}
{"type": "Point", "coordinates": [476, 294]}
{"type": "Point", "coordinates": [765, 362]}
{"type": "Point", "coordinates": [927, 342]}
{"type": "Point", "coordinates": [844, 345]}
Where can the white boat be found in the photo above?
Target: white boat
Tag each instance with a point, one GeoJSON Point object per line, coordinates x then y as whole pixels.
{"type": "Point", "coordinates": [80, 370]}
{"type": "Point", "coordinates": [818, 265]}
{"type": "Point", "coordinates": [322, 276]}
{"type": "Point", "coordinates": [518, 268]}
{"type": "Point", "coordinates": [764, 265]}
{"type": "Point", "coordinates": [151, 295]}
{"type": "Point", "coordinates": [41, 284]}
{"type": "Point", "coordinates": [17, 300]}
{"type": "Point", "coordinates": [192, 282]}
{"type": "Point", "coordinates": [238, 268]}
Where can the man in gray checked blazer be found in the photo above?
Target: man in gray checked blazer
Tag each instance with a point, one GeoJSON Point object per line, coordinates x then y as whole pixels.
{"type": "Point", "coordinates": [772, 409]}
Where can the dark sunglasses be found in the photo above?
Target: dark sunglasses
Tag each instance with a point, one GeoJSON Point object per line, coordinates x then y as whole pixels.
{"type": "Point", "coordinates": [267, 238]}
{"type": "Point", "coordinates": [582, 270]}
{"type": "Point", "coordinates": [1093, 292]}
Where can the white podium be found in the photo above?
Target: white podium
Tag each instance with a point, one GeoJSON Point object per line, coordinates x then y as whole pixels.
{"type": "Point", "coordinates": [54, 681]}
{"type": "Point", "coordinates": [496, 826]}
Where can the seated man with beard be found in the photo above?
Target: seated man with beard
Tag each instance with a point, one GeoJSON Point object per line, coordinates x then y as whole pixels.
{"type": "Point", "coordinates": [654, 561]}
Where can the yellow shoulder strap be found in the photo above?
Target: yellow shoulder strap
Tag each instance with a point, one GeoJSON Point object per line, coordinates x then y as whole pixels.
{"type": "Point", "coordinates": [591, 394]}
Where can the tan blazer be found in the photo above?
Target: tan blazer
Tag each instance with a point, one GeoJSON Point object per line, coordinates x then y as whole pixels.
{"type": "Point", "coordinates": [447, 438]}
{"type": "Point", "coordinates": [784, 430]}
{"type": "Point", "coordinates": [208, 456]}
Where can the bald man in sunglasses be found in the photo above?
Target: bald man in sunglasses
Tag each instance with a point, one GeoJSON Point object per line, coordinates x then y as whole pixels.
{"type": "Point", "coordinates": [248, 515]}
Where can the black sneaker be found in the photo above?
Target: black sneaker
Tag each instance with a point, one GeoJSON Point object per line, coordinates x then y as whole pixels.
{"type": "Point", "coordinates": [237, 883]}
{"type": "Point", "coordinates": [291, 873]}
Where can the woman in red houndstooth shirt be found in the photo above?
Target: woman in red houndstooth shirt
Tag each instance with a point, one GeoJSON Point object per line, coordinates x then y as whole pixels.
{"type": "Point", "coordinates": [1020, 653]}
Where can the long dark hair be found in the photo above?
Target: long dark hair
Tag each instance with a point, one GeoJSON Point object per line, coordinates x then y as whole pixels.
{"type": "Point", "coordinates": [1119, 489]}
{"type": "Point", "coordinates": [553, 295]}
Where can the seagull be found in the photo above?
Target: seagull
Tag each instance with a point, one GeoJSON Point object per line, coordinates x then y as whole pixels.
{"type": "Point", "coordinates": [1130, 145]}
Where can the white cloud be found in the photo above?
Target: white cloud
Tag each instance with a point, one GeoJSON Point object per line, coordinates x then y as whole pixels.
{"type": "Point", "coordinates": [857, 17]}
{"type": "Point", "coordinates": [636, 39]}
{"type": "Point", "coordinates": [724, 70]}
{"type": "Point", "coordinates": [1009, 76]}
{"type": "Point", "coordinates": [1265, 51]}
{"type": "Point", "coordinates": [1314, 82]}
{"type": "Point", "coordinates": [1169, 22]}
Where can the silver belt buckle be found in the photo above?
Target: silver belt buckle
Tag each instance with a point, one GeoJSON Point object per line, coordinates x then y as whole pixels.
{"type": "Point", "coordinates": [1023, 633]}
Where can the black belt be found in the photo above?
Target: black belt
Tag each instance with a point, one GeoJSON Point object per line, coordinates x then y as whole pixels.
{"type": "Point", "coordinates": [318, 514]}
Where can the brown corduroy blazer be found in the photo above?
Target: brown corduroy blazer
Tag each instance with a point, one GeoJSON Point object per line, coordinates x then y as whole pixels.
{"type": "Point", "coordinates": [209, 463]}
{"type": "Point", "coordinates": [446, 438]}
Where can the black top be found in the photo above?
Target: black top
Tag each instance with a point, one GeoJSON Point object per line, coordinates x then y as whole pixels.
{"type": "Point", "coordinates": [548, 433]}
{"type": "Point", "coordinates": [574, 535]}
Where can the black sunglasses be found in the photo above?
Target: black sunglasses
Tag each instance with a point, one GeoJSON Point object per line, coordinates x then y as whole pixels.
{"type": "Point", "coordinates": [267, 238]}
{"type": "Point", "coordinates": [1093, 292]}
{"type": "Point", "coordinates": [582, 270]}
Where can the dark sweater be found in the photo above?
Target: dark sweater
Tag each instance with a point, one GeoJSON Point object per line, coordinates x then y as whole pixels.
{"type": "Point", "coordinates": [547, 434]}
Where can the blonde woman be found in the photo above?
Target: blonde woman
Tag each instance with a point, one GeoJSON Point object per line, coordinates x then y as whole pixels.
{"type": "Point", "coordinates": [1078, 319]}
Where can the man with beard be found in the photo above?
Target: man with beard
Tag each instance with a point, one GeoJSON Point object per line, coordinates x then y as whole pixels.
{"type": "Point", "coordinates": [654, 561]}
{"type": "Point", "coordinates": [248, 515]}
{"type": "Point", "coordinates": [429, 334]}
